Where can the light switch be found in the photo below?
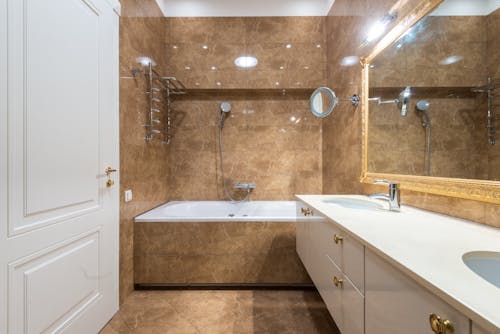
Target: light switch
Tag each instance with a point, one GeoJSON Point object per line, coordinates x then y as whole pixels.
{"type": "Point", "coordinates": [128, 195]}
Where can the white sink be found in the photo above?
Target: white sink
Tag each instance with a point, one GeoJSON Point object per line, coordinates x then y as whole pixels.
{"type": "Point", "coordinates": [354, 203]}
{"type": "Point", "coordinates": [485, 264]}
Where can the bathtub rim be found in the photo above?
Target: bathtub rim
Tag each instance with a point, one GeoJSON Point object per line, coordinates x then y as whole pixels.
{"type": "Point", "coordinates": [214, 219]}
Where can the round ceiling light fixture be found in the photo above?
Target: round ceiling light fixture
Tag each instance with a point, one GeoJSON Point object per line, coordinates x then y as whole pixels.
{"type": "Point", "coordinates": [246, 61]}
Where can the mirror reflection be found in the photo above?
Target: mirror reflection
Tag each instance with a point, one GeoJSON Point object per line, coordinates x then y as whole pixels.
{"type": "Point", "coordinates": [433, 96]}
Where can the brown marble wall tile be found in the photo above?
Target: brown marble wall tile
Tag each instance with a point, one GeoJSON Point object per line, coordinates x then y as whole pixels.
{"type": "Point", "coordinates": [140, 8]}
{"type": "Point", "coordinates": [141, 36]}
{"type": "Point", "coordinates": [216, 252]}
{"type": "Point", "coordinates": [143, 166]}
{"type": "Point", "coordinates": [290, 50]}
{"type": "Point", "coordinates": [268, 138]}
{"type": "Point", "coordinates": [347, 23]}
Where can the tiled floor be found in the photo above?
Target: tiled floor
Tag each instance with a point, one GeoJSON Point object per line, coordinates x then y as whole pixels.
{"type": "Point", "coordinates": [226, 312]}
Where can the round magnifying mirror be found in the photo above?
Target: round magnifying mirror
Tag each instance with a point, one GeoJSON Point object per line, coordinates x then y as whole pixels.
{"type": "Point", "coordinates": [322, 102]}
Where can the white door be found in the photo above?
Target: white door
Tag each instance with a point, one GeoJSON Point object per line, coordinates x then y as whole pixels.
{"type": "Point", "coordinates": [58, 133]}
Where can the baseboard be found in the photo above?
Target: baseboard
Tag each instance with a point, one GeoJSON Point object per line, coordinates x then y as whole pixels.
{"type": "Point", "coordinates": [224, 286]}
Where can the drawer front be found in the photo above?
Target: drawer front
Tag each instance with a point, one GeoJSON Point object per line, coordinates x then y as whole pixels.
{"type": "Point", "coordinates": [353, 317]}
{"type": "Point", "coordinates": [353, 264]}
{"type": "Point", "coordinates": [343, 250]}
{"type": "Point", "coordinates": [394, 303]}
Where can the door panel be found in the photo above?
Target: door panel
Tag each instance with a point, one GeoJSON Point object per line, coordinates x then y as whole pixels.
{"type": "Point", "coordinates": [54, 84]}
{"type": "Point", "coordinates": [58, 133]}
{"type": "Point", "coordinates": [66, 277]}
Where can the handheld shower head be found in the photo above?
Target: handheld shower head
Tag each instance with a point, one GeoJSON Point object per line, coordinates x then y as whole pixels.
{"type": "Point", "coordinates": [225, 107]}
{"type": "Point", "coordinates": [423, 105]}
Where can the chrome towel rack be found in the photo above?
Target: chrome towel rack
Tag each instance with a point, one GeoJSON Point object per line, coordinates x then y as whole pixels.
{"type": "Point", "coordinates": [159, 100]}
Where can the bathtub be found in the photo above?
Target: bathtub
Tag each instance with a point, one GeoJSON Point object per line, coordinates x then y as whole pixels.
{"type": "Point", "coordinates": [221, 211]}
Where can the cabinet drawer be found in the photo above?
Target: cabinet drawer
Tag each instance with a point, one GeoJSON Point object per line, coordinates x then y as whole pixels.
{"type": "Point", "coordinates": [395, 303]}
{"type": "Point", "coordinates": [352, 316]}
{"type": "Point", "coordinates": [343, 250]}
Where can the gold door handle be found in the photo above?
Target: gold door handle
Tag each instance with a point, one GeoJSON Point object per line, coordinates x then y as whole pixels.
{"type": "Point", "coordinates": [338, 238]}
{"type": "Point", "coordinates": [108, 172]}
{"type": "Point", "coordinates": [306, 212]}
{"type": "Point", "coordinates": [338, 281]}
{"type": "Point", "coordinates": [440, 326]}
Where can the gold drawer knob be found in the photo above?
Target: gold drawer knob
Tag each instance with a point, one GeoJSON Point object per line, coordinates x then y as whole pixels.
{"type": "Point", "coordinates": [338, 238]}
{"type": "Point", "coordinates": [306, 212]}
{"type": "Point", "coordinates": [440, 326]}
{"type": "Point", "coordinates": [338, 281]}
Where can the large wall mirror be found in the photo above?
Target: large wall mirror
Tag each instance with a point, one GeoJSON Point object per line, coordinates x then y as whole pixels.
{"type": "Point", "coordinates": [432, 102]}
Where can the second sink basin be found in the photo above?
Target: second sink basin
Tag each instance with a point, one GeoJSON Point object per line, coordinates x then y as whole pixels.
{"type": "Point", "coordinates": [485, 264]}
{"type": "Point", "coordinates": [354, 203]}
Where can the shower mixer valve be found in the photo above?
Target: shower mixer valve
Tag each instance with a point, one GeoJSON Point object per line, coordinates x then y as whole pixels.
{"type": "Point", "coordinates": [247, 186]}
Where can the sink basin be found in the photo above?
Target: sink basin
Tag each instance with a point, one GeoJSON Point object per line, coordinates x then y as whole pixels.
{"type": "Point", "coordinates": [354, 203]}
{"type": "Point", "coordinates": [485, 264]}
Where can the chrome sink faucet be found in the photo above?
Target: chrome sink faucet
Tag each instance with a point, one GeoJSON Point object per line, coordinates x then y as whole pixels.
{"type": "Point", "coordinates": [393, 197]}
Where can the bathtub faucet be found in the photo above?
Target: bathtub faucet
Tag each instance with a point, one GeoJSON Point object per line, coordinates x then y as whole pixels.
{"type": "Point", "coordinates": [247, 186]}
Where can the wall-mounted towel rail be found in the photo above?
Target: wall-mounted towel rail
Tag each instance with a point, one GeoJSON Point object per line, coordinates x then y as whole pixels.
{"type": "Point", "coordinates": [156, 95]}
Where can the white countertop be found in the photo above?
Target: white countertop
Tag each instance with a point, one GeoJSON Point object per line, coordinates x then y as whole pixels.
{"type": "Point", "coordinates": [429, 248]}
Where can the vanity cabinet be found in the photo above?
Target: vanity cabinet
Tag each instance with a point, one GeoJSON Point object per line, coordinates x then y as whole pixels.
{"type": "Point", "coordinates": [335, 263]}
{"type": "Point", "coordinates": [395, 303]}
{"type": "Point", "coordinates": [364, 293]}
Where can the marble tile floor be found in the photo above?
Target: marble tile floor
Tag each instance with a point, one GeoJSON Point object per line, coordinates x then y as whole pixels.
{"type": "Point", "coordinates": [216, 311]}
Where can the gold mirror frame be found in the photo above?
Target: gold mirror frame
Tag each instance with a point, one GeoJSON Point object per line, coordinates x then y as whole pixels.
{"type": "Point", "coordinates": [479, 190]}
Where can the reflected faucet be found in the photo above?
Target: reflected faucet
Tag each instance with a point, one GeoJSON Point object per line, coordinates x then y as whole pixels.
{"type": "Point", "coordinates": [393, 197]}
{"type": "Point", "coordinates": [404, 100]}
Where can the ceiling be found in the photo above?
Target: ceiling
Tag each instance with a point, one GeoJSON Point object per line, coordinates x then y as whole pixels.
{"type": "Point", "coordinates": [190, 8]}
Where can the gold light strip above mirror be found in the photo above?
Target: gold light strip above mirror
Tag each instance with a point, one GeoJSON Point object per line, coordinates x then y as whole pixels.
{"type": "Point", "coordinates": [480, 190]}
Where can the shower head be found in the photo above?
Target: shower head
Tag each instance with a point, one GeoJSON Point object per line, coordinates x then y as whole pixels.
{"type": "Point", "coordinates": [225, 107]}
{"type": "Point", "coordinates": [423, 105]}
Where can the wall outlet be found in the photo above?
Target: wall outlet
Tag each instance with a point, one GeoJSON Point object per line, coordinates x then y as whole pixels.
{"type": "Point", "coordinates": [128, 195]}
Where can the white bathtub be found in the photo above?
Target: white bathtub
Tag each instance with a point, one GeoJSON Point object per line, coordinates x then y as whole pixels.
{"type": "Point", "coordinates": [220, 211]}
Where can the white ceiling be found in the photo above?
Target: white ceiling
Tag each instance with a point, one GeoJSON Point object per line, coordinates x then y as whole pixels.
{"type": "Point", "coordinates": [466, 7]}
{"type": "Point", "coordinates": [190, 8]}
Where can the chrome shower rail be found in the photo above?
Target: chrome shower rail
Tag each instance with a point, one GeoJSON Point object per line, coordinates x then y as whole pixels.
{"type": "Point", "coordinates": [489, 88]}
{"type": "Point", "coordinates": [169, 86]}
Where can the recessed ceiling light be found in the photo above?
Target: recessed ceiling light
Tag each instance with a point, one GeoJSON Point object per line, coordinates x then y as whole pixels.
{"type": "Point", "coordinates": [277, 83]}
{"type": "Point", "coordinates": [218, 83]}
{"type": "Point", "coordinates": [205, 47]}
{"type": "Point", "coordinates": [187, 68]}
{"type": "Point", "coordinates": [175, 47]}
{"type": "Point", "coordinates": [246, 61]}
{"type": "Point", "coordinates": [288, 46]}
{"type": "Point", "coordinates": [306, 67]}
{"type": "Point", "coordinates": [282, 67]}
{"type": "Point", "coordinates": [318, 46]}
{"type": "Point", "coordinates": [197, 84]}
{"type": "Point", "coordinates": [213, 68]}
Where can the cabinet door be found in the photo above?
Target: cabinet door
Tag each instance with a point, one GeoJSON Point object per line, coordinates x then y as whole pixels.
{"type": "Point", "coordinates": [395, 303]}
